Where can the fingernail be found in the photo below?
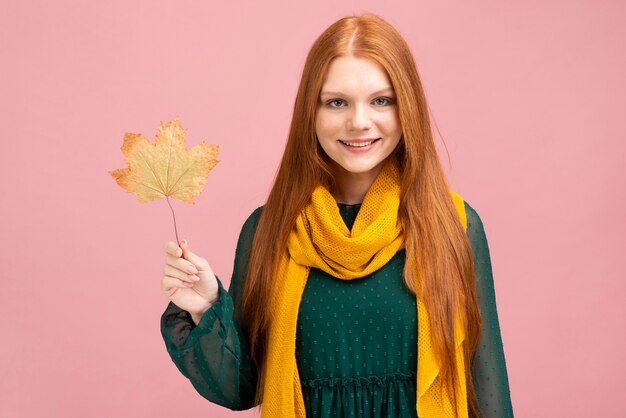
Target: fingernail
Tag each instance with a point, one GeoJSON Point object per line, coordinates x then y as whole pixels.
{"type": "Point", "coordinates": [192, 270]}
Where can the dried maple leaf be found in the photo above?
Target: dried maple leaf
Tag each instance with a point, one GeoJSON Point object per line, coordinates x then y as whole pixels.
{"type": "Point", "coordinates": [166, 168]}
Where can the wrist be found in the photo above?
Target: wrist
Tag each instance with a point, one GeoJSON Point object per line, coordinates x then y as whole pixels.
{"type": "Point", "coordinates": [197, 315]}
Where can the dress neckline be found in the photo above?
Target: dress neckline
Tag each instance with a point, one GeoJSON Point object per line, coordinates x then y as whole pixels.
{"type": "Point", "coordinates": [349, 205]}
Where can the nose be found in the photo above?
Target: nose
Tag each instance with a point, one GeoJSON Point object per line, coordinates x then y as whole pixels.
{"type": "Point", "coordinates": [359, 118]}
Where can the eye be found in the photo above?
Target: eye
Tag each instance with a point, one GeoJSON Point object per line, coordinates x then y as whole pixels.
{"type": "Point", "coordinates": [335, 103]}
{"type": "Point", "coordinates": [383, 101]}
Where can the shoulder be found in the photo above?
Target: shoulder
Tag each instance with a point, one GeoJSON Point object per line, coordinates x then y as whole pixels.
{"type": "Point", "coordinates": [249, 226]}
{"type": "Point", "coordinates": [246, 235]}
{"type": "Point", "coordinates": [468, 215]}
{"type": "Point", "coordinates": [253, 219]}
{"type": "Point", "coordinates": [473, 219]}
{"type": "Point", "coordinates": [475, 228]}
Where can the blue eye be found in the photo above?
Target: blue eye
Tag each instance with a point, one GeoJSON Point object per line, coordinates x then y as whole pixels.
{"type": "Point", "coordinates": [383, 101]}
{"type": "Point", "coordinates": [335, 103]}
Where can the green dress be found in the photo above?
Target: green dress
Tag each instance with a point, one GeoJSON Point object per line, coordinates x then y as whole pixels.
{"type": "Point", "coordinates": [356, 347]}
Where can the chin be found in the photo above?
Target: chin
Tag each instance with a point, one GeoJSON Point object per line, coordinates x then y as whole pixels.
{"type": "Point", "coordinates": [359, 168]}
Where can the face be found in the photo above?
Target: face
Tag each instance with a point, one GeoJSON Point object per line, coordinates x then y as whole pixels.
{"type": "Point", "coordinates": [356, 120]}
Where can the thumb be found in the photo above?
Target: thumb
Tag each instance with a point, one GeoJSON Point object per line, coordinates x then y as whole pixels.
{"type": "Point", "coordinates": [189, 256]}
{"type": "Point", "coordinates": [184, 245]}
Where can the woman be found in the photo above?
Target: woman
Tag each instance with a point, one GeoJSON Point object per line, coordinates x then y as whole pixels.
{"type": "Point", "coordinates": [363, 286]}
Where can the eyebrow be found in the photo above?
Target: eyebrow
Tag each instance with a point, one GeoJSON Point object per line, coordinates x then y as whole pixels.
{"type": "Point", "coordinates": [336, 93]}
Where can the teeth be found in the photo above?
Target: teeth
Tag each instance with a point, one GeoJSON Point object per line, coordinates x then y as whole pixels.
{"type": "Point", "coordinates": [357, 144]}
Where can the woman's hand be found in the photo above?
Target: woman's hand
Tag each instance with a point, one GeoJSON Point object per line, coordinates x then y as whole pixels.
{"type": "Point", "coordinates": [188, 280]}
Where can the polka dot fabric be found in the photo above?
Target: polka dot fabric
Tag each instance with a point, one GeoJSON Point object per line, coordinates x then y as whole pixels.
{"type": "Point", "coordinates": [355, 341]}
{"type": "Point", "coordinates": [320, 239]}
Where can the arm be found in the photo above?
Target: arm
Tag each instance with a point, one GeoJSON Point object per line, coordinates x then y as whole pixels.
{"type": "Point", "coordinates": [488, 366]}
{"type": "Point", "coordinates": [214, 354]}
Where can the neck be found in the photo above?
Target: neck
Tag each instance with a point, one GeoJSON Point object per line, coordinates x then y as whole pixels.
{"type": "Point", "coordinates": [350, 188]}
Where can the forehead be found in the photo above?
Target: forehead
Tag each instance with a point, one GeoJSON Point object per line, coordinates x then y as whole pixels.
{"type": "Point", "coordinates": [354, 74]}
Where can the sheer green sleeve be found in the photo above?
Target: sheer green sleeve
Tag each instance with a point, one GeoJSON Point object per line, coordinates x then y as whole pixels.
{"type": "Point", "coordinates": [489, 366]}
{"type": "Point", "coordinates": [215, 354]}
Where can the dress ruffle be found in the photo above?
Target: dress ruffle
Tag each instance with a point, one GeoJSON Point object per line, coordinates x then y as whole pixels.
{"type": "Point", "coordinates": [391, 395]}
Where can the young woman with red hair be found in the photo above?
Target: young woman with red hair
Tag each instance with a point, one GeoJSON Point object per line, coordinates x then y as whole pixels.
{"type": "Point", "coordinates": [363, 286]}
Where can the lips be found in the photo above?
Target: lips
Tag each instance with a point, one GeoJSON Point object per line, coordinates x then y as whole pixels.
{"type": "Point", "coordinates": [359, 143]}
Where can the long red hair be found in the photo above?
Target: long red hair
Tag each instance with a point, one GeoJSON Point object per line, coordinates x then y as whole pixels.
{"type": "Point", "coordinates": [439, 263]}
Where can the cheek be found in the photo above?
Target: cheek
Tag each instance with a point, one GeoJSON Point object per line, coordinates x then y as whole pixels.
{"type": "Point", "coordinates": [390, 122]}
{"type": "Point", "coordinates": [319, 125]}
{"type": "Point", "coordinates": [326, 124]}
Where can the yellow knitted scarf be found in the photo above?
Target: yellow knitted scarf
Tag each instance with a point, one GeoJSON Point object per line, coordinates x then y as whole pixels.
{"type": "Point", "coordinates": [320, 239]}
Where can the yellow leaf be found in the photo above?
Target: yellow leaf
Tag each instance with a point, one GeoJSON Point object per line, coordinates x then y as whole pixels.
{"type": "Point", "coordinates": [166, 168]}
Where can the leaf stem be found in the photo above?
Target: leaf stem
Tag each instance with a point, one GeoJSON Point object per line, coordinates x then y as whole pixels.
{"type": "Point", "coordinates": [174, 216]}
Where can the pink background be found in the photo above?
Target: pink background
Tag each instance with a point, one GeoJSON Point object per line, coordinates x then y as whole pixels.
{"type": "Point", "coordinates": [528, 96]}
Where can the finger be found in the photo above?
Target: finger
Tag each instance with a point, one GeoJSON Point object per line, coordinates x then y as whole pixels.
{"type": "Point", "coordinates": [184, 245]}
{"type": "Point", "coordinates": [173, 249]}
{"type": "Point", "coordinates": [198, 261]}
{"type": "Point", "coordinates": [181, 264]}
{"type": "Point", "coordinates": [181, 275]}
{"type": "Point", "coordinates": [170, 284]}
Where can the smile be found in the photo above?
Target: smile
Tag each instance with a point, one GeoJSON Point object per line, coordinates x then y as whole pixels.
{"type": "Point", "coordinates": [358, 144]}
